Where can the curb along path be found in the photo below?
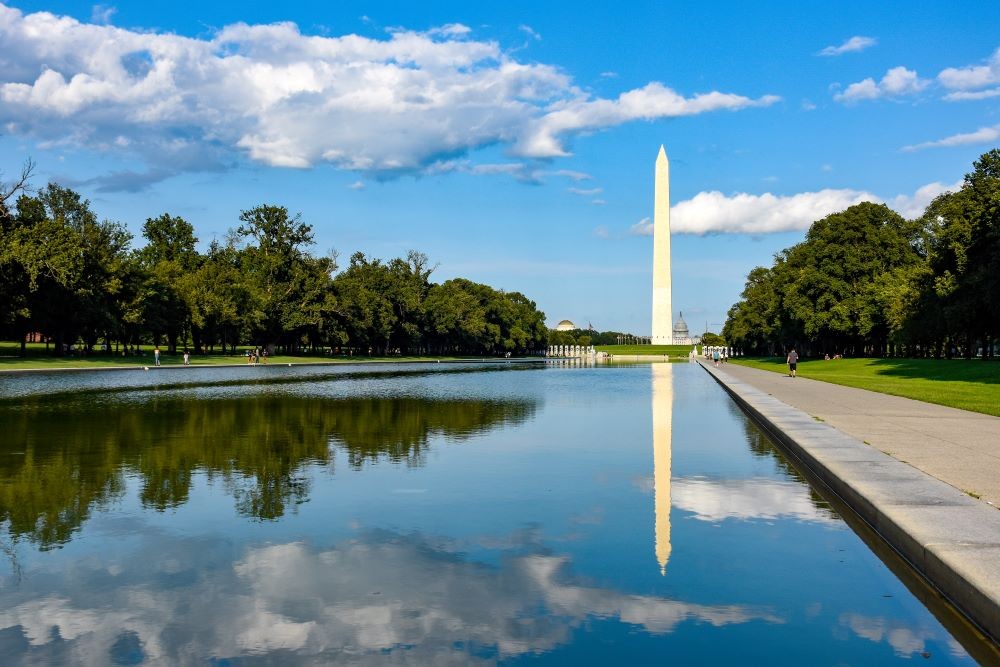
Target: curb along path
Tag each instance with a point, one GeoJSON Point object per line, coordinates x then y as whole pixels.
{"type": "Point", "coordinates": [952, 539]}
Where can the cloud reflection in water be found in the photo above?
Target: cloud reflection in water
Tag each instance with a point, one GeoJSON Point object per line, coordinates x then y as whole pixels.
{"type": "Point", "coordinates": [745, 499]}
{"type": "Point", "coordinates": [383, 592]}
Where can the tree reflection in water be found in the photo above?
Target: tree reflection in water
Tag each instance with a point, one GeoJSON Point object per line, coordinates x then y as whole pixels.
{"type": "Point", "coordinates": [59, 462]}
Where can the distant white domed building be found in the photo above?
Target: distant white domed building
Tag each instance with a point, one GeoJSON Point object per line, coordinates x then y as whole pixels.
{"type": "Point", "coordinates": [565, 325]}
{"type": "Point", "coordinates": [681, 334]}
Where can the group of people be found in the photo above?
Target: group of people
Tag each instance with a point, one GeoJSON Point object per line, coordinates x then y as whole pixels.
{"type": "Point", "coordinates": [156, 356]}
{"type": "Point", "coordinates": [257, 356]}
{"type": "Point", "coordinates": [717, 353]}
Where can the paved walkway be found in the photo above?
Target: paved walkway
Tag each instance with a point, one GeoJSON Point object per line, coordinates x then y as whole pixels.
{"type": "Point", "coordinates": [958, 447]}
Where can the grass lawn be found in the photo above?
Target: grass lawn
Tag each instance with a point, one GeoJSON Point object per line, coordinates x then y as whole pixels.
{"type": "Point", "coordinates": [970, 385]}
{"type": "Point", "coordinates": [38, 359]}
{"type": "Point", "coordinates": [672, 350]}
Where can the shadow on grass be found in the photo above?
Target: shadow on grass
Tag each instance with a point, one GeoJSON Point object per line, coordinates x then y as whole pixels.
{"type": "Point", "coordinates": [941, 370]}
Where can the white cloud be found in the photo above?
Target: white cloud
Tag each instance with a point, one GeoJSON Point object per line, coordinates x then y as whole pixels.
{"type": "Point", "coordinates": [598, 202]}
{"type": "Point", "coordinates": [527, 30]}
{"type": "Point", "coordinates": [897, 82]}
{"type": "Point", "coordinates": [393, 105]}
{"type": "Point", "coordinates": [981, 136]}
{"type": "Point", "coordinates": [602, 232]}
{"type": "Point", "coordinates": [521, 171]}
{"type": "Point", "coordinates": [513, 168]}
{"type": "Point", "coordinates": [543, 138]}
{"type": "Point", "coordinates": [743, 213]}
{"type": "Point", "coordinates": [588, 192]}
{"type": "Point", "coordinates": [449, 30]}
{"type": "Point", "coordinates": [102, 13]}
{"type": "Point", "coordinates": [912, 206]}
{"type": "Point", "coordinates": [854, 44]}
{"type": "Point", "coordinates": [572, 175]}
{"type": "Point", "coordinates": [973, 76]}
{"type": "Point", "coordinates": [969, 95]}
{"type": "Point", "coordinates": [642, 228]}
{"type": "Point", "coordinates": [357, 185]}
{"type": "Point", "coordinates": [969, 83]}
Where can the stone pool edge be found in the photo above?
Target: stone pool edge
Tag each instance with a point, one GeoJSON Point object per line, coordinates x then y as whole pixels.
{"type": "Point", "coordinates": [950, 539]}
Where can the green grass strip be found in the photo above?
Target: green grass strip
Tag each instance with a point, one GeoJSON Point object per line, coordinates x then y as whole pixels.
{"type": "Point", "coordinates": [968, 385]}
{"type": "Point", "coordinates": [37, 359]}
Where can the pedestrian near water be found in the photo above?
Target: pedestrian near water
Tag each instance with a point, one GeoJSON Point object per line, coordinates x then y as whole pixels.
{"type": "Point", "coordinates": [156, 355]}
{"type": "Point", "coordinates": [715, 357]}
{"type": "Point", "coordinates": [187, 358]}
{"type": "Point", "coordinates": [793, 362]}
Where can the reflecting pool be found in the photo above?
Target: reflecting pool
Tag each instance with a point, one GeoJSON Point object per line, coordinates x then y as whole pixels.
{"type": "Point", "coordinates": [428, 513]}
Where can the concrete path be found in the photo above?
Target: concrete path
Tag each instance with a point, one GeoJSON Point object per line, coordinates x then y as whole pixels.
{"type": "Point", "coordinates": [950, 538]}
{"type": "Point", "coordinates": [958, 447]}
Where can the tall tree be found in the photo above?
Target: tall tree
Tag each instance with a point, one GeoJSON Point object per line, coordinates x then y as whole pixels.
{"type": "Point", "coordinates": [965, 255]}
{"type": "Point", "coordinates": [273, 263]}
{"type": "Point", "coordinates": [168, 257]}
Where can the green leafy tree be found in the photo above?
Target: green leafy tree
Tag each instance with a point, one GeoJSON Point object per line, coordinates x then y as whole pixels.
{"type": "Point", "coordinates": [168, 258]}
{"type": "Point", "coordinates": [964, 256]}
{"type": "Point", "coordinates": [456, 317]}
{"type": "Point", "coordinates": [272, 262]}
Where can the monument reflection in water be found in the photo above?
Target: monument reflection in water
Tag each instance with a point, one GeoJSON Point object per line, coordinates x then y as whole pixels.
{"type": "Point", "coordinates": [663, 418]}
{"type": "Point", "coordinates": [428, 517]}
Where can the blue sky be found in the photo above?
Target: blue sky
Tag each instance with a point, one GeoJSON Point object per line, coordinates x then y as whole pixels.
{"type": "Point", "coordinates": [513, 143]}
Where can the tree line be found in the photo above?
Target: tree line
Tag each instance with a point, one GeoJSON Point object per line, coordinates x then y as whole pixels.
{"type": "Point", "coordinates": [867, 282]}
{"type": "Point", "coordinates": [67, 278]}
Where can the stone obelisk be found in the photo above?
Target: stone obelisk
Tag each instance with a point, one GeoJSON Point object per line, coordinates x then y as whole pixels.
{"type": "Point", "coordinates": [663, 329]}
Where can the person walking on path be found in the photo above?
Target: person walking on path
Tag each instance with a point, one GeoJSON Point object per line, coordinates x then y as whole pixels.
{"type": "Point", "coordinates": [187, 358]}
{"type": "Point", "coordinates": [715, 357]}
{"type": "Point", "coordinates": [793, 362]}
{"type": "Point", "coordinates": [156, 355]}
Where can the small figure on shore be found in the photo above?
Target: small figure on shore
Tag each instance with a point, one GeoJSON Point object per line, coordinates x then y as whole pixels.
{"type": "Point", "coordinates": [715, 357]}
{"type": "Point", "coordinates": [826, 357]}
{"type": "Point", "coordinates": [263, 355]}
{"type": "Point", "coordinates": [156, 355]}
{"type": "Point", "coordinates": [187, 358]}
{"type": "Point", "coordinates": [793, 362]}
{"type": "Point", "coordinates": [249, 358]}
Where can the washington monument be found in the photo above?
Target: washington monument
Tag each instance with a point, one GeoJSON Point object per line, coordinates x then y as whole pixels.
{"type": "Point", "coordinates": [663, 333]}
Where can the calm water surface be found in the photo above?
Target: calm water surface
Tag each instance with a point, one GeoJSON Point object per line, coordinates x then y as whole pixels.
{"type": "Point", "coordinates": [425, 514]}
